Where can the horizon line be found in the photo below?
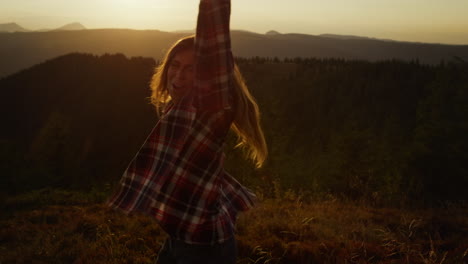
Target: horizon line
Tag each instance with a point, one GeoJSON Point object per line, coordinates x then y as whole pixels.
{"type": "Point", "coordinates": [337, 36]}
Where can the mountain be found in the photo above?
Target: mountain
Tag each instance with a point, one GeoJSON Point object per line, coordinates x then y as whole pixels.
{"type": "Point", "coordinates": [272, 32]}
{"type": "Point", "coordinates": [354, 37]}
{"type": "Point", "coordinates": [71, 26]}
{"type": "Point", "coordinates": [184, 31]}
{"type": "Point", "coordinates": [352, 128]}
{"type": "Point", "coordinates": [21, 50]}
{"type": "Point", "coordinates": [83, 102]}
{"type": "Point", "coordinates": [343, 36]}
{"type": "Point", "coordinates": [12, 27]}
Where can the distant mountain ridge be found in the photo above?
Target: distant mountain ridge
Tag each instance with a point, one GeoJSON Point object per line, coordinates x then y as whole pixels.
{"type": "Point", "coordinates": [24, 49]}
{"type": "Point", "coordinates": [12, 27]}
{"type": "Point", "coordinates": [272, 32]}
{"type": "Point", "coordinates": [71, 26]}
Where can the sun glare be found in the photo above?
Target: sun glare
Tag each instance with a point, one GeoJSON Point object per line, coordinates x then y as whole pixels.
{"type": "Point", "coordinates": [123, 4]}
{"type": "Point", "coordinates": [126, 12]}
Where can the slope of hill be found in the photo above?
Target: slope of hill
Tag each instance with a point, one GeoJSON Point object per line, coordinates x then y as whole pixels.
{"type": "Point", "coordinates": [272, 32]}
{"type": "Point", "coordinates": [386, 131]}
{"type": "Point", "coordinates": [71, 26]}
{"type": "Point", "coordinates": [78, 107]}
{"type": "Point", "coordinates": [22, 50]}
{"type": "Point", "coordinates": [12, 27]}
{"type": "Point", "coordinates": [71, 227]}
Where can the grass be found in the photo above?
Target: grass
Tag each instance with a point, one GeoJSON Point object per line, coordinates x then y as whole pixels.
{"type": "Point", "coordinates": [54, 226]}
{"type": "Point", "coordinates": [338, 232]}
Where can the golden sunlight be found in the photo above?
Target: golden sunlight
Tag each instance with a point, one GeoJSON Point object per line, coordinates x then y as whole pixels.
{"type": "Point", "coordinates": [123, 4]}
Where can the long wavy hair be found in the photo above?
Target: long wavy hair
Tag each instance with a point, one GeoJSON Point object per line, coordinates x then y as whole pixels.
{"type": "Point", "coordinates": [246, 124]}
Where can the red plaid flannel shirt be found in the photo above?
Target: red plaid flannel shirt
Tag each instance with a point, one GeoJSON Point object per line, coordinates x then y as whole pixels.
{"type": "Point", "coordinates": [177, 176]}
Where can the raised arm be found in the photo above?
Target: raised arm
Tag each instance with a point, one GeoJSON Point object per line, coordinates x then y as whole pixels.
{"type": "Point", "coordinates": [214, 61]}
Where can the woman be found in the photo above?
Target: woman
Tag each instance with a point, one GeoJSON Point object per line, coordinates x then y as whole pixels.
{"type": "Point", "coordinates": [177, 176]}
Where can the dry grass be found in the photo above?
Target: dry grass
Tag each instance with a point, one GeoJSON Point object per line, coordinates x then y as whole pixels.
{"type": "Point", "coordinates": [337, 232]}
{"type": "Point", "coordinates": [78, 234]}
{"type": "Point", "coordinates": [280, 230]}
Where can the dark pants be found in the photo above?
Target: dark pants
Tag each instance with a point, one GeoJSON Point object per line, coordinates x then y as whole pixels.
{"type": "Point", "coordinates": [177, 252]}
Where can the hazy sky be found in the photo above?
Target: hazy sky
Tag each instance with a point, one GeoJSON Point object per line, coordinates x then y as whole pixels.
{"type": "Point", "coordinates": [443, 21]}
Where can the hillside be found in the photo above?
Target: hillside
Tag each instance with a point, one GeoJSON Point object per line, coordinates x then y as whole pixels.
{"type": "Point", "coordinates": [56, 226]}
{"type": "Point", "coordinates": [391, 132]}
{"type": "Point", "coordinates": [71, 26]}
{"type": "Point", "coordinates": [21, 50]}
{"type": "Point", "coordinates": [82, 109]}
{"type": "Point", "coordinates": [12, 27]}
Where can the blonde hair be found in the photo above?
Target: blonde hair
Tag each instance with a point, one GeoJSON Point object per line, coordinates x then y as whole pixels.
{"type": "Point", "coordinates": [246, 124]}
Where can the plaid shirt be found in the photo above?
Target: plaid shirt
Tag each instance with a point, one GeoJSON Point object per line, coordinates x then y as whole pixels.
{"type": "Point", "coordinates": [177, 176]}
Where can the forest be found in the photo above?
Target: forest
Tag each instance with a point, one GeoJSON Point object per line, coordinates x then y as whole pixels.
{"type": "Point", "coordinates": [393, 132]}
{"type": "Point", "coordinates": [386, 134]}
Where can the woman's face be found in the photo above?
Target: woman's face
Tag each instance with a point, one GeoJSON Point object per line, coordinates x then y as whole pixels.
{"type": "Point", "coordinates": [180, 74]}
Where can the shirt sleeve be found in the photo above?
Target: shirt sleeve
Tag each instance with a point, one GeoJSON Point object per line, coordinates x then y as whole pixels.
{"type": "Point", "coordinates": [155, 161]}
{"type": "Point", "coordinates": [214, 61]}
